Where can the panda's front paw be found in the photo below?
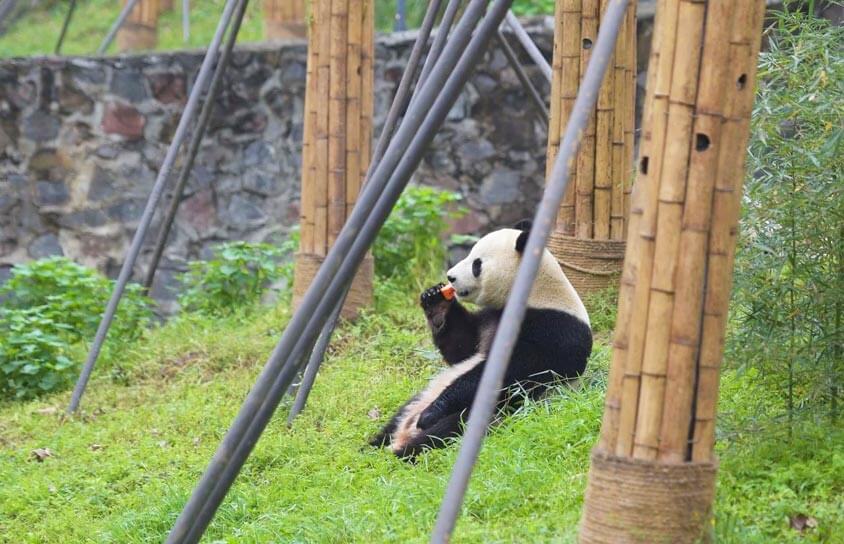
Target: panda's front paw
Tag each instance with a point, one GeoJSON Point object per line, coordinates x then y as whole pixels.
{"type": "Point", "coordinates": [432, 297]}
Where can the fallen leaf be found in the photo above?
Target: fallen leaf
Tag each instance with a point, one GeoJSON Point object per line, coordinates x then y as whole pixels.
{"type": "Point", "coordinates": [154, 432]}
{"type": "Point", "coordinates": [162, 444]}
{"type": "Point", "coordinates": [96, 447]}
{"type": "Point", "coordinates": [374, 414]}
{"type": "Point", "coordinates": [52, 489]}
{"type": "Point", "coordinates": [47, 411]}
{"type": "Point", "coordinates": [801, 522]}
{"type": "Point", "coordinates": [196, 442]}
{"type": "Point", "coordinates": [41, 453]}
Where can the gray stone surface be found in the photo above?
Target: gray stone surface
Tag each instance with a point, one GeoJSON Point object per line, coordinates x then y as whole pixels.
{"type": "Point", "coordinates": [82, 139]}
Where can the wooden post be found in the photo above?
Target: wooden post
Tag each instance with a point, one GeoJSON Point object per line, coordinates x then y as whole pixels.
{"type": "Point", "coordinates": [140, 31]}
{"type": "Point", "coordinates": [284, 19]}
{"type": "Point", "coordinates": [663, 384]}
{"type": "Point", "coordinates": [337, 135]}
{"type": "Point", "coordinates": [591, 225]}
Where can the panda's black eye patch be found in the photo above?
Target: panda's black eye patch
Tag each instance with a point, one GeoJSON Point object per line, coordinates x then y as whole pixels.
{"type": "Point", "coordinates": [476, 267]}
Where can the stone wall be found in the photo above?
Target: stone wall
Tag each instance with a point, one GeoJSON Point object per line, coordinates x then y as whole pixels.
{"type": "Point", "coordinates": [81, 140]}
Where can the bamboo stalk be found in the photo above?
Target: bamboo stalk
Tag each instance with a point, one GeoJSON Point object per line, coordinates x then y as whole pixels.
{"type": "Point", "coordinates": [284, 19]}
{"type": "Point", "coordinates": [367, 87]}
{"type": "Point", "coordinates": [619, 88]}
{"type": "Point", "coordinates": [744, 49]}
{"type": "Point", "coordinates": [337, 95]}
{"type": "Point", "coordinates": [354, 85]}
{"type": "Point", "coordinates": [322, 127]}
{"type": "Point", "coordinates": [654, 130]}
{"type": "Point", "coordinates": [567, 74]}
{"type": "Point", "coordinates": [307, 205]}
{"type": "Point", "coordinates": [672, 187]}
{"type": "Point", "coordinates": [686, 320]}
{"type": "Point", "coordinates": [140, 30]}
{"type": "Point", "coordinates": [585, 175]}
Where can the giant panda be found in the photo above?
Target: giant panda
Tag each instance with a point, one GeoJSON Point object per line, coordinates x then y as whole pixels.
{"type": "Point", "coordinates": [554, 342]}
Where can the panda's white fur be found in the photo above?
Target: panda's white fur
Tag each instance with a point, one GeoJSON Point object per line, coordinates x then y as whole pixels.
{"type": "Point", "coordinates": [499, 264]}
{"type": "Point", "coordinates": [551, 290]}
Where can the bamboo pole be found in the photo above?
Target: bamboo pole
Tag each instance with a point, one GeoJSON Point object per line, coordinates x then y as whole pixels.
{"type": "Point", "coordinates": [338, 111]}
{"type": "Point", "coordinates": [653, 472]}
{"type": "Point", "coordinates": [595, 204]}
{"type": "Point", "coordinates": [682, 231]}
{"type": "Point", "coordinates": [140, 31]}
{"type": "Point", "coordinates": [284, 19]}
{"type": "Point", "coordinates": [726, 206]}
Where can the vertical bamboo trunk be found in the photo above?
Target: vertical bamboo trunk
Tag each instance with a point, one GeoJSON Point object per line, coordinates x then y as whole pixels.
{"type": "Point", "coordinates": [337, 135]}
{"type": "Point", "coordinates": [284, 19]}
{"type": "Point", "coordinates": [658, 428]}
{"type": "Point", "coordinates": [140, 31]}
{"type": "Point", "coordinates": [595, 204]}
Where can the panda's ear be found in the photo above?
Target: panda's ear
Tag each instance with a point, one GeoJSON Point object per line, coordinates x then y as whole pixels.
{"type": "Point", "coordinates": [521, 241]}
{"type": "Point", "coordinates": [524, 224]}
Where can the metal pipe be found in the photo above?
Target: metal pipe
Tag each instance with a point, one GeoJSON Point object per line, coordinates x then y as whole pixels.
{"type": "Point", "coordinates": [439, 40]}
{"type": "Point", "coordinates": [445, 84]}
{"type": "Point", "coordinates": [281, 366]}
{"type": "Point", "coordinates": [315, 360]}
{"type": "Point", "coordinates": [530, 47]}
{"type": "Point", "coordinates": [514, 311]}
{"type": "Point", "coordinates": [185, 20]}
{"type": "Point", "coordinates": [152, 203]}
{"type": "Point", "coordinates": [396, 107]}
{"type": "Point", "coordinates": [535, 97]}
{"type": "Point", "coordinates": [193, 147]}
{"type": "Point", "coordinates": [71, 8]}
{"type": "Point", "coordinates": [112, 32]}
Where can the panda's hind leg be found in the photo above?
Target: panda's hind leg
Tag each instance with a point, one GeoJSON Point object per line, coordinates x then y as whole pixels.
{"type": "Point", "coordinates": [435, 436]}
{"type": "Point", "coordinates": [382, 438]}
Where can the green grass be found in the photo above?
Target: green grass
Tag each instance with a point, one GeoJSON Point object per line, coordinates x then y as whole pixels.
{"type": "Point", "coordinates": [36, 32]}
{"type": "Point", "coordinates": [155, 412]}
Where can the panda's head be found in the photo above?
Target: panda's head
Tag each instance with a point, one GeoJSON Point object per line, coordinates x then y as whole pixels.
{"type": "Point", "coordinates": [485, 277]}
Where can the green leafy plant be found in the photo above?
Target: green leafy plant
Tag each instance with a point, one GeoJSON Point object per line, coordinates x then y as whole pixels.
{"type": "Point", "coordinates": [75, 295]}
{"type": "Point", "coordinates": [410, 248]}
{"type": "Point", "coordinates": [33, 353]}
{"type": "Point", "coordinates": [235, 278]}
{"type": "Point", "coordinates": [50, 305]}
{"type": "Point", "coordinates": [789, 299]}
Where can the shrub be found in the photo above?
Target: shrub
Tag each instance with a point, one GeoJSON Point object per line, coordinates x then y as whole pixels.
{"type": "Point", "coordinates": [50, 305]}
{"type": "Point", "coordinates": [235, 278]}
{"type": "Point", "coordinates": [76, 296]}
{"type": "Point", "coordinates": [789, 296]}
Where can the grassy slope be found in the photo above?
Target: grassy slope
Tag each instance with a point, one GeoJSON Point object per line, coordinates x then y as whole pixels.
{"type": "Point", "coordinates": [36, 33]}
{"type": "Point", "coordinates": [156, 411]}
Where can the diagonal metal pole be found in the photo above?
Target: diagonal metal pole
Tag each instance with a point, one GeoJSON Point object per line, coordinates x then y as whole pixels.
{"type": "Point", "coordinates": [403, 93]}
{"type": "Point", "coordinates": [527, 42]}
{"type": "Point", "coordinates": [514, 311]}
{"type": "Point", "coordinates": [195, 143]}
{"type": "Point", "coordinates": [152, 203]}
{"type": "Point", "coordinates": [400, 160]}
{"type": "Point", "coordinates": [70, 9]}
{"type": "Point", "coordinates": [116, 25]}
{"type": "Point", "coordinates": [439, 42]}
{"type": "Point", "coordinates": [535, 97]}
{"type": "Point", "coordinates": [185, 20]}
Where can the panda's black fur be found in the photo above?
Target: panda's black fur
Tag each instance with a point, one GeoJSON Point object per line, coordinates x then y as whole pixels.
{"type": "Point", "coordinates": [554, 343]}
